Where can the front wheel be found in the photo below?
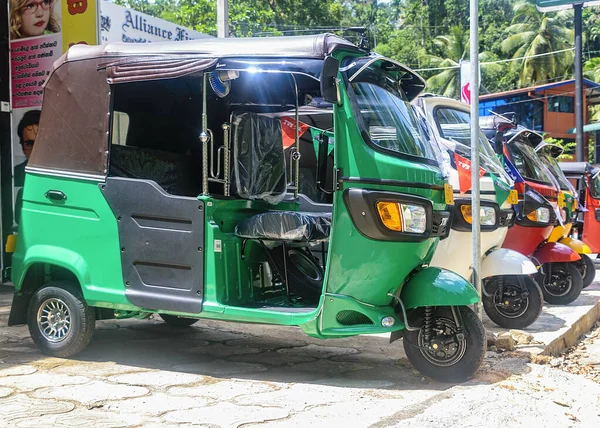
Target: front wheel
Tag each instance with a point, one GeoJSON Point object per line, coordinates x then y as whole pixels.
{"type": "Point", "coordinates": [586, 269]}
{"type": "Point", "coordinates": [561, 283]}
{"type": "Point", "coordinates": [516, 301]}
{"type": "Point", "coordinates": [441, 349]}
{"type": "Point", "coordinates": [60, 322]}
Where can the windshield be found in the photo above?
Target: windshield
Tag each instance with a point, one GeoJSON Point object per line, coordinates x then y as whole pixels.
{"type": "Point", "coordinates": [527, 162]}
{"type": "Point", "coordinates": [455, 126]}
{"type": "Point", "coordinates": [595, 187]}
{"type": "Point", "coordinates": [553, 166]}
{"type": "Point", "coordinates": [383, 112]}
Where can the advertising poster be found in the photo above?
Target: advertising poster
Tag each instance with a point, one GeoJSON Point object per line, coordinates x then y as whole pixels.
{"type": "Point", "coordinates": [40, 31]}
{"type": "Point", "coordinates": [119, 24]}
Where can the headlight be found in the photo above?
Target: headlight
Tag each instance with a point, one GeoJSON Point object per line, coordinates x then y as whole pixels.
{"type": "Point", "coordinates": [487, 215]}
{"type": "Point", "coordinates": [403, 217]}
{"type": "Point", "coordinates": [563, 215]}
{"type": "Point", "coordinates": [541, 215]}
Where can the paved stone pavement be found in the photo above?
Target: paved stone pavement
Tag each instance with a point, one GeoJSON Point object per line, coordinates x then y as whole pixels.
{"type": "Point", "coordinates": [215, 374]}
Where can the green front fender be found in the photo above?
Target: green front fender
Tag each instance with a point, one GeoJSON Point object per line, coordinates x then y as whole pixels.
{"type": "Point", "coordinates": [434, 286]}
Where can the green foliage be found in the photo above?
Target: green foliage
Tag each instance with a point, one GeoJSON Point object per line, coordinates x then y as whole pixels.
{"type": "Point", "coordinates": [533, 33]}
{"type": "Point", "coordinates": [569, 148]}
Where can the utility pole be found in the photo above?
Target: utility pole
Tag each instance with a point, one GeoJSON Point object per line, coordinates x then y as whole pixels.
{"type": "Point", "coordinates": [222, 18]}
{"type": "Point", "coordinates": [579, 156]}
{"type": "Point", "coordinates": [475, 197]}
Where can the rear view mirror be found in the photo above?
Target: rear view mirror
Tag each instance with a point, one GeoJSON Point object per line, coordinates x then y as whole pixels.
{"type": "Point", "coordinates": [329, 83]}
{"type": "Point", "coordinates": [322, 163]}
{"type": "Point", "coordinates": [498, 146]}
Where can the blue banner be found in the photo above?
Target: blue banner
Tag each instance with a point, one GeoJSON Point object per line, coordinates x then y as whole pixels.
{"type": "Point", "coordinates": [512, 171]}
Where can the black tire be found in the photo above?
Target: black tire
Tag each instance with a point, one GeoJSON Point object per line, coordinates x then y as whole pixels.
{"type": "Point", "coordinates": [587, 269]}
{"type": "Point", "coordinates": [514, 309]}
{"type": "Point", "coordinates": [304, 273]}
{"type": "Point", "coordinates": [469, 353]}
{"type": "Point", "coordinates": [60, 304]}
{"type": "Point", "coordinates": [176, 321]}
{"type": "Point", "coordinates": [561, 283]}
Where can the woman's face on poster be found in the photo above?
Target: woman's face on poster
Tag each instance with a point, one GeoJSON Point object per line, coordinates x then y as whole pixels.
{"type": "Point", "coordinates": [35, 15]}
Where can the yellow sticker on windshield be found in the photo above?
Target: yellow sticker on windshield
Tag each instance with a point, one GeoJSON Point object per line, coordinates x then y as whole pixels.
{"type": "Point", "coordinates": [561, 200]}
{"type": "Point", "coordinates": [513, 197]}
{"type": "Point", "coordinates": [448, 194]}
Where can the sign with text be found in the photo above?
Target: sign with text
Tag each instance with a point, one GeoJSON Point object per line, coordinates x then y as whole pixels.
{"type": "Point", "coordinates": [552, 5]}
{"type": "Point", "coordinates": [119, 24]}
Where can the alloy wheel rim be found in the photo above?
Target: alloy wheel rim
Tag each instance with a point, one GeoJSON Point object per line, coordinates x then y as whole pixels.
{"type": "Point", "coordinates": [54, 320]}
{"type": "Point", "coordinates": [445, 331]}
{"type": "Point", "coordinates": [509, 305]}
{"type": "Point", "coordinates": [560, 283]}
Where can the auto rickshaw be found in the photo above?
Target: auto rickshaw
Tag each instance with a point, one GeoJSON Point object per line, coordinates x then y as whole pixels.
{"type": "Point", "coordinates": [511, 296]}
{"type": "Point", "coordinates": [559, 276]}
{"type": "Point", "coordinates": [170, 192]}
{"type": "Point", "coordinates": [587, 184]}
{"type": "Point", "coordinates": [562, 231]}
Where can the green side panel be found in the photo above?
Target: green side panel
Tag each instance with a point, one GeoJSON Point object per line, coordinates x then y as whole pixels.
{"type": "Point", "coordinates": [437, 287]}
{"type": "Point", "coordinates": [79, 234]}
{"type": "Point", "coordinates": [343, 316]}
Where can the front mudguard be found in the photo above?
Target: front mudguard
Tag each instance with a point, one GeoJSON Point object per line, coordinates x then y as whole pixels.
{"type": "Point", "coordinates": [576, 245]}
{"type": "Point", "coordinates": [503, 261]}
{"type": "Point", "coordinates": [554, 252]}
{"type": "Point", "coordinates": [435, 286]}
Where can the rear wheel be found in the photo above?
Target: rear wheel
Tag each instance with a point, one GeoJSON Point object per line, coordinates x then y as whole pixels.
{"type": "Point", "coordinates": [561, 283]}
{"type": "Point", "coordinates": [60, 322]}
{"type": "Point", "coordinates": [304, 273]}
{"type": "Point", "coordinates": [515, 306]}
{"type": "Point", "coordinates": [587, 269]}
{"type": "Point", "coordinates": [442, 350]}
{"type": "Point", "coordinates": [176, 321]}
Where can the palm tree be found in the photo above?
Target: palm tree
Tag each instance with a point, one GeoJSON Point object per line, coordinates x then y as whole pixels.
{"type": "Point", "coordinates": [533, 33]}
{"type": "Point", "coordinates": [452, 49]}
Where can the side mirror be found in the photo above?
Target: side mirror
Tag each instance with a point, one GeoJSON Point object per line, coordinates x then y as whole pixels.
{"type": "Point", "coordinates": [498, 145]}
{"type": "Point", "coordinates": [330, 90]}
{"type": "Point", "coordinates": [322, 164]}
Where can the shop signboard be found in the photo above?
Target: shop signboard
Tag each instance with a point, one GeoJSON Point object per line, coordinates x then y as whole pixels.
{"type": "Point", "coordinates": [119, 24]}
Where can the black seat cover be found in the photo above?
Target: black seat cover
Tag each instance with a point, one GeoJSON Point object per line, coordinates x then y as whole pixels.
{"type": "Point", "coordinates": [259, 170]}
{"type": "Point", "coordinates": [286, 226]}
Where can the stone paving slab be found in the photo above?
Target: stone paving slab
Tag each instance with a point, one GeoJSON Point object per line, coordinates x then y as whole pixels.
{"type": "Point", "coordinates": [218, 374]}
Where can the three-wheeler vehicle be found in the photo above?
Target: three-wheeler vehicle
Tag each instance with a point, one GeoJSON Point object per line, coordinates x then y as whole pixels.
{"type": "Point", "coordinates": [511, 296]}
{"type": "Point", "coordinates": [558, 275]}
{"type": "Point", "coordinates": [549, 154]}
{"type": "Point", "coordinates": [587, 185]}
{"type": "Point", "coordinates": [170, 192]}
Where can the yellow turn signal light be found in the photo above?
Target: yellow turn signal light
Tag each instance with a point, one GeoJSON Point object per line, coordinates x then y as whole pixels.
{"type": "Point", "coordinates": [467, 213]}
{"type": "Point", "coordinates": [390, 215]}
{"type": "Point", "coordinates": [11, 244]}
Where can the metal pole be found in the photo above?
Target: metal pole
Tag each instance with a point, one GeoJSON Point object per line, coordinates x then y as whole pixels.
{"type": "Point", "coordinates": [475, 204]}
{"type": "Point", "coordinates": [222, 18]}
{"type": "Point", "coordinates": [578, 85]}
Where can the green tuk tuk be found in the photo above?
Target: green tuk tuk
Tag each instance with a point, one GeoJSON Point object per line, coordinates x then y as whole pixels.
{"type": "Point", "coordinates": [182, 179]}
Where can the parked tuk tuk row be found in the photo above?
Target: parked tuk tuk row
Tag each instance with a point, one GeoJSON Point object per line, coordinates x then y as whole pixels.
{"type": "Point", "coordinates": [298, 181]}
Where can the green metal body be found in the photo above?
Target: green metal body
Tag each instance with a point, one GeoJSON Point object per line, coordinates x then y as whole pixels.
{"type": "Point", "coordinates": [80, 234]}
